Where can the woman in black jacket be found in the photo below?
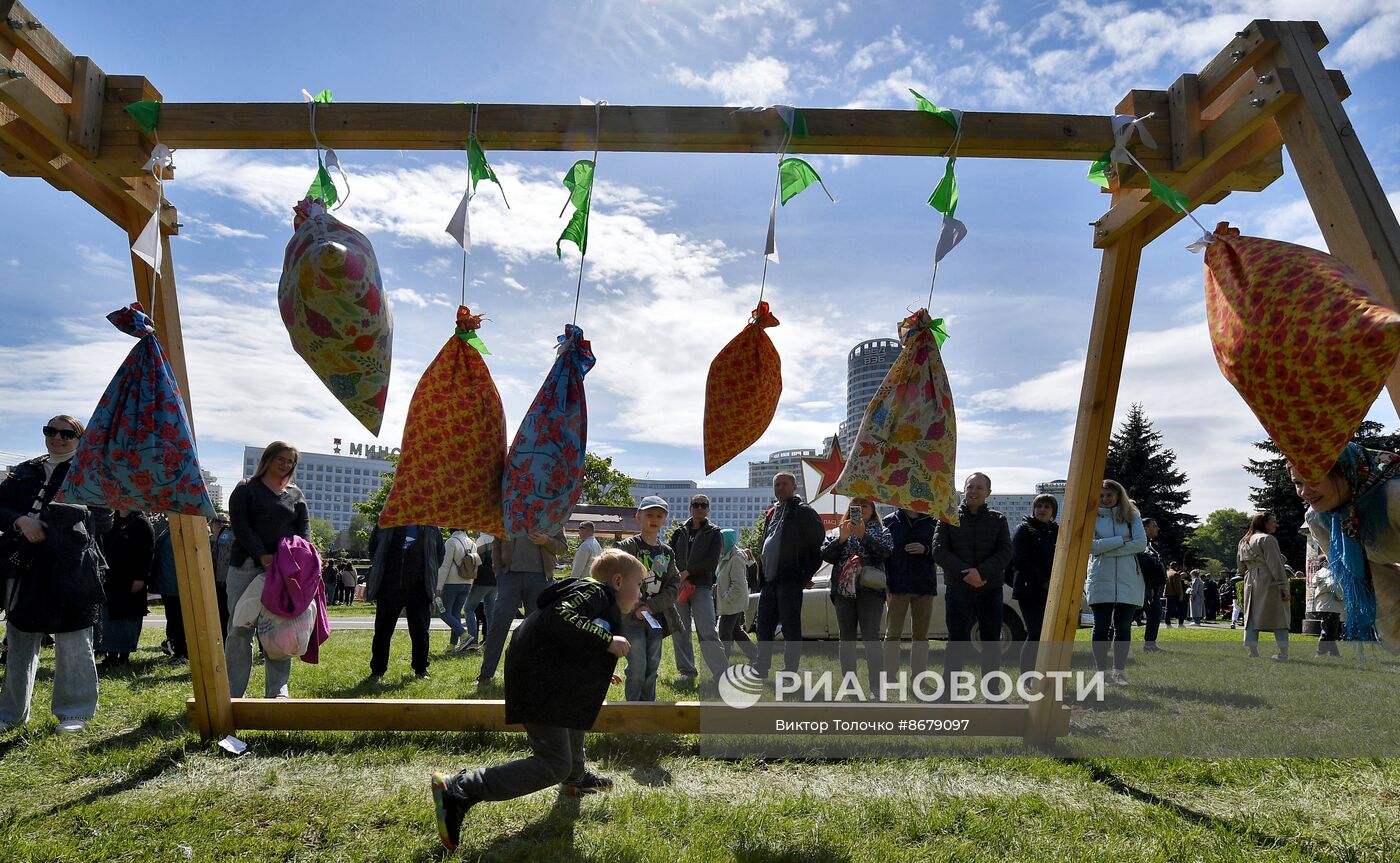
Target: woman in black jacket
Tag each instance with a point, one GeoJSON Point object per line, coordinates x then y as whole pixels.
{"type": "Point", "coordinates": [1032, 557]}
{"type": "Point", "coordinates": [49, 553]}
{"type": "Point", "coordinates": [913, 583]}
{"type": "Point", "coordinates": [128, 547]}
{"type": "Point", "coordinates": [861, 535]}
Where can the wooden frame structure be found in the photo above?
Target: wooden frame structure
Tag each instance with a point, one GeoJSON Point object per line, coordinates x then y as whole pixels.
{"type": "Point", "coordinates": [1222, 130]}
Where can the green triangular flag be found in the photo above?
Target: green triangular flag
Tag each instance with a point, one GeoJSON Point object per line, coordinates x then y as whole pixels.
{"type": "Point", "coordinates": [479, 169]}
{"type": "Point", "coordinates": [146, 113]}
{"type": "Point", "coordinates": [799, 124]}
{"type": "Point", "coordinates": [945, 198]}
{"type": "Point", "coordinates": [1171, 197]}
{"type": "Point", "coordinates": [579, 182]}
{"type": "Point", "coordinates": [940, 331]}
{"type": "Point", "coordinates": [323, 97]}
{"type": "Point", "coordinates": [796, 175]}
{"type": "Point", "coordinates": [471, 338]}
{"type": "Point", "coordinates": [1098, 171]}
{"type": "Point", "coordinates": [949, 116]}
{"type": "Point", "coordinates": [322, 189]}
{"type": "Point", "coordinates": [576, 232]}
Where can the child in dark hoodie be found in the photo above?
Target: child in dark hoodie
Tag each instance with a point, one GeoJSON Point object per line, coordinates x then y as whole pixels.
{"type": "Point", "coordinates": [558, 669]}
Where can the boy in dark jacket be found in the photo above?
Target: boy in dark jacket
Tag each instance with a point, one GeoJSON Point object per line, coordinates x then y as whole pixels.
{"type": "Point", "coordinates": [558, 669]}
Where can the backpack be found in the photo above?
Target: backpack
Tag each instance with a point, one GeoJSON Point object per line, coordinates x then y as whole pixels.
{"type": "Point", "coordinates": [466, 567]}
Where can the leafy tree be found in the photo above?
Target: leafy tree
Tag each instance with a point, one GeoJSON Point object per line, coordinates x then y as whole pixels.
{"type": "Point", "coordinates": [1137, 459]}
{"type": "Point", "coordinates": [322, 535]}
{"type": "Point", "coordinates": [1217, 539]}
{"type": "Point", "coordinates": [603, 485]}
{"type": "Point", "coordinates": [1276, 493]}
{"type": "Point", "coordinates": [373, 505]}
{"type": "Point", "coordinates": [751, 538]}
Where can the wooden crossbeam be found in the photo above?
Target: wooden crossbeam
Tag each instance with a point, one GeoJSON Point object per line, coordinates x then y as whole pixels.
{"type": "Point", "coordinates": [640, 128]}
{"type": "Point", "coordinates": [28, 34]}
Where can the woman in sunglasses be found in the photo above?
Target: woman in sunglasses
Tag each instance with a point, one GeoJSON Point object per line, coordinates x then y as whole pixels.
{"type": "Point", "coordinates": [264, 509]}
{"type": "Point", "coordinates": [41, 600]}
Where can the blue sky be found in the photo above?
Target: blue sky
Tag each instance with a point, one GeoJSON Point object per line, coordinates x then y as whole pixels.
{"type": "Point", "coordinates": [675, 250]}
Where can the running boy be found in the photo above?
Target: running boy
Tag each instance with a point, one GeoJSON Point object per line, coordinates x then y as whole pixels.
{"type": "Point", "coordinates": [654, 617]}
{"type": "Point", "coordinates": [558, 669]}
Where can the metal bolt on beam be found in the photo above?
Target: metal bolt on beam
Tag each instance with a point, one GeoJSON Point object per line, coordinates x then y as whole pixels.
{"type": "Point", "coordinates": [1258, 103]}
{"type": "Point", "coordinates": [1236, 56]}
{"type": "Point", "coordinates": [1264, 79]}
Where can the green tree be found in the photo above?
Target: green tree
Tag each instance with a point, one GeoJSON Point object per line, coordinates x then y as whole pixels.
{"type": "Point", "coordinates": [751, 538]}
{"type": "Point", "coordinates": [373, 505]}
{"type": "Point", "coordinates": [603, 485]}
{"type": "Point", "coordinates": [1218, 537]}
{"type": "Point", "coordinates": [322, 535]}
{"type": "Point", "coordinates": [1276, 494]}
{"type": "Point", "coordinates": [1137, 459]}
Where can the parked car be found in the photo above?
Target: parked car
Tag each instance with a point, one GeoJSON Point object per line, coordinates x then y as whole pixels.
{"type": "Point", "coordinates": [819, 615]}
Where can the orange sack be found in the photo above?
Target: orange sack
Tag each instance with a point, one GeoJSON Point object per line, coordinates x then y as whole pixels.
{"type": "Point", "coordinates": [742, 390]}
{"type": "Point", "coordinates": [454, 442]}
{"type": "Point", "coordinates": [1295, 331]}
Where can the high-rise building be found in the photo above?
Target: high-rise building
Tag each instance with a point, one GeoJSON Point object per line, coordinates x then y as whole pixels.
{"type": "Point", "coordinates": [216, 491]}
{"type": "Point", "coordinates": [761, 473]}
{"type": "Point", "coordinates": [866, 366]}
{"type": "Point", "coordinates": [729, 507]}
{"type": "Point", "coordinates": [333, 484]}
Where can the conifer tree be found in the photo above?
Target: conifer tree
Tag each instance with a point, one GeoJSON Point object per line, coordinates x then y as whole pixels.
{"type": "Point", "coordinates": [1137, 459]}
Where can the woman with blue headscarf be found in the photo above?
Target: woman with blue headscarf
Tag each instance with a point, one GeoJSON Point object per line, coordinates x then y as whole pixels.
{"type": "Point", "coordinates": [732, 594]}
{"type": "Point", "coordinates": [1355, 516]}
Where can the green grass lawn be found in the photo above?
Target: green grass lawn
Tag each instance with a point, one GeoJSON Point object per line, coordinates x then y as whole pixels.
{"type": "Point", "coordinates": [137, 786]}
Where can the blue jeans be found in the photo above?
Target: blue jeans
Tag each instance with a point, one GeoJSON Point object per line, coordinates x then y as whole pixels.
{"type": "Point", "coordinates": [74, 676]}
{"type": "Point", "coordinates": [779, 602]}
{"type": "Point", "coordinates": [480, 594]}
{"type": "Point", "coordinates": [515, 589]}
{"type": "Point", "coordinates": [454, 596]}
{"type": "Point", "coordinates": [238, 647]}
{"type": "Point", "coordinates": [643, 659]}
{"type": "Point", "coordinates": [966, 606]}
{"type": "Point", "coordinates": [699, 610]}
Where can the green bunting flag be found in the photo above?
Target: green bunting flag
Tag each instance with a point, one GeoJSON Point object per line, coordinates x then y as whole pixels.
{"type": "Point", "coordinates": [1098, 171]}
{"type": "Point", "coordinates": [949, 115]}
{"type": "Point", "coordinates": [471, 338]}
{"type": "Point", "coordinates": [324, 97]}
{"type": "Point", "coordinates": [1171, 197]}
{"type": "Point", "coordinates": [322, 189]}
{"type": "Point", "coordinates": [579, 182]}
{"type": "Point", "coordinates": [945, 198]}
{"type": "Point", "coordinates": [477, 165]}
{"type": "Point", "coordinates": [940, 331]}
{"type": "Point", "coordinates": [146, 113]}
{"type": "Point", "coordinates": [796, 175]}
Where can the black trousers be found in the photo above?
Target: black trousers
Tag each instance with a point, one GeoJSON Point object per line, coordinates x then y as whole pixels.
{"type": "Point", "coordinates": [175, 627]}
{"type": "Point", "coordinates": [391, 603]}
{"type": "Point", "coordinates": [1331, 630]}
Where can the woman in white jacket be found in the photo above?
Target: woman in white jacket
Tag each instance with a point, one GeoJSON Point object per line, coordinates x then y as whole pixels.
{"type": "Point", "coordinates": [1114, 588]}
{"type": "Point", "coordinates": [732, 594]}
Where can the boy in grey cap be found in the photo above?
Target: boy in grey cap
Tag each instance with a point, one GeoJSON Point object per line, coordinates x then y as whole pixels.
{"type": "Point", "coordinates": [653, 618]}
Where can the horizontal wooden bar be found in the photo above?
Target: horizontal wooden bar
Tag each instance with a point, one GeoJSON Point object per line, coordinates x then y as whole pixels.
{"type": "Point", "coordinates": [39, 45]}
{"type": "Point", "coordinates": [351, 714]}
{"type": "Point", "coordinates": [635, 128]}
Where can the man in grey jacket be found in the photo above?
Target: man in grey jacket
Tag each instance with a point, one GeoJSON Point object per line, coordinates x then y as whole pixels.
{"type": "Point", "coordinates": [524, 568]}
{"type": "Point", "coordinates": [973, 556]}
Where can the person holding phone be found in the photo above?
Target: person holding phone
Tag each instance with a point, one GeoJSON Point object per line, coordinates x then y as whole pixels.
{"type": "Point", "coordinates": [857, 555]}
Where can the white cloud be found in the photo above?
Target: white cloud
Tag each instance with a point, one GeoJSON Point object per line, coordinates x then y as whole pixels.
{"type": "Point", "coordinates": [513, 284]}
{"type": "Point", "coordinates": [408, 296]}
{"type": "Point", "coordinates": [14, 262]}
{"type": "Point", "coordinates": [100, 262]}
{"type": "Point", "coordinates": [751, 81]}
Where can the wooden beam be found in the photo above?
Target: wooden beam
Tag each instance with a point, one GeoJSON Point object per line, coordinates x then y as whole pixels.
{"type": "Point", "coordinates": [1103, 369]}
{"type": "Point", "coordinates": [1346, 196]}
{"type": "Point", "coordinates": [640, 128]}
{"type": "Point", "coordinates": [1184, 101]}
{"type": "Point", "coordinates": [85, 117]}
{"type": "Point", "coordinates": [35, 41]}
{"type": "Point", "coordinates": [1252, 177]}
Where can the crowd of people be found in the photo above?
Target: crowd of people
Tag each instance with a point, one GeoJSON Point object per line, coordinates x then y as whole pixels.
{"type": "Point", "coordinates": [81, 575]}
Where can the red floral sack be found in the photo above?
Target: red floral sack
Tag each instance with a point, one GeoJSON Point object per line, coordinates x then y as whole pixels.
{"type": "Point", "coordinates": [741, 391]}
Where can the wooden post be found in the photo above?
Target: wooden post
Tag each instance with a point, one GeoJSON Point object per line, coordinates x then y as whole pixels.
{"type": "Point", "coordinates": [1346, 197]}
{"type": "Point", "coordinates": [1103, 368]}
{"type": "Point", "coordinates": [212, 713]}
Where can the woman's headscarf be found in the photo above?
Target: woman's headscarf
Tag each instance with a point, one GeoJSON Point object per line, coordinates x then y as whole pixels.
{"type": "Point", "coordinates": [729, 540]}
{"type": "Point", "coordinates": [1365, 473]}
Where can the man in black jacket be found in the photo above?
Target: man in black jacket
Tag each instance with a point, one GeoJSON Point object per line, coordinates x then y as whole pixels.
{"type": "Point", "coordinates": [1154, 578]}
{"type": "Point", "coordinates": [792, 545]}
{"type": "Point", "coordinates": [973, 555]}
{"type": "Point", "coordinates": [697, 547]}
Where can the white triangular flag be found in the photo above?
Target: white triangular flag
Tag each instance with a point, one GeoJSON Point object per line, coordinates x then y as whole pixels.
{"type": "Point", "coordinates": [147, 245]}
{"type": "Point", "coordinates": [460, 226]}
{"type": "Point", "coordinates": [160, 155]}
{"type": "Point", "coordinates": [953, 233]}
{"type": "Point", "coordinates": [770, 249]}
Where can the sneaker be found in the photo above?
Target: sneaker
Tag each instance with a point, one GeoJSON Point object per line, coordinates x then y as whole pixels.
{"type": "Point", "coordinates": [590, 783]}
{"type": "Point", "coordinates": [71, 726]}
{"type": "Point", "coordinates": [468, 645]}
{"type": "Point", "coordinates": [685, 681]}
{"type": "Point", "coordinates": [1151, 647]}
{"type": "Point", "coordinates": [421, 675]}
{"type": "Point", "coordinates": [1117, 678]}
{"type": "Point", "coordinates": [1279, 657]}
{"type": "Point", "coordinates": [450, 809]}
